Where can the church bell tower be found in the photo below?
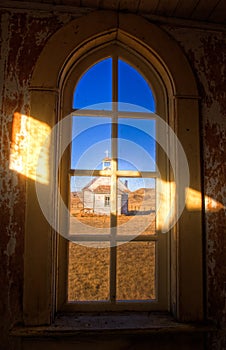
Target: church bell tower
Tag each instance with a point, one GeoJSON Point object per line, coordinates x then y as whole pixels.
{"type": "Point", "coordinates": [106, 162]}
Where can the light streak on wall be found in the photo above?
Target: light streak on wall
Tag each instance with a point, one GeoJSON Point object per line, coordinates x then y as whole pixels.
{"type": "Point", "coordinates": [29, 154]}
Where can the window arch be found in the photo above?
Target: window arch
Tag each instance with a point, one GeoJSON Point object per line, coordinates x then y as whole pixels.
{"type": "Point", "coordinates": [172, 81]}
{"type": "Point", "coordinates": [95, 86]}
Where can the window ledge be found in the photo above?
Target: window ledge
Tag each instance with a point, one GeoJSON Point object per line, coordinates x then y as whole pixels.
{"type": "Point", "coordinates": [106, 323]}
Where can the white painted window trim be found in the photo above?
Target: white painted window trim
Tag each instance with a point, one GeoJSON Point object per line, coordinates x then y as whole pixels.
{"type": "Point", "coordinates": [116, 50]}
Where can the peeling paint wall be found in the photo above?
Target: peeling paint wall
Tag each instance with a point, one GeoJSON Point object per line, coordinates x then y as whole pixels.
{"type": "Point", "coordinates": [206, 52]}
{"type": "Point", "coordinates": [22, 38]}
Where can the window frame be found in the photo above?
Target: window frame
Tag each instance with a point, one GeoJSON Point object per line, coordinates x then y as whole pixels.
{"type": "Point", "coordinates": [116, 50]}
{"type": "Point", "coordinates": [151, 41]}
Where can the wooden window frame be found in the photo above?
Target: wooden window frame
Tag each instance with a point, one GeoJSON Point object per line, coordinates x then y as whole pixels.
{"type": "Point", "coordinates": [116, 51]}
{"type": "Point", "coordinates": [174, 74]}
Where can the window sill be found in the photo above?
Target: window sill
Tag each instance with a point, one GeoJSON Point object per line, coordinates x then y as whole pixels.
{"type": "Point", "coordinates": [106, 323]}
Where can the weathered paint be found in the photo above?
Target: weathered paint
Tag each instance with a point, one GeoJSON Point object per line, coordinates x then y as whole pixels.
{"type": "Point", "coordinates": [23, 36]}
{"type": "Point", "coordinates": [206, 52]}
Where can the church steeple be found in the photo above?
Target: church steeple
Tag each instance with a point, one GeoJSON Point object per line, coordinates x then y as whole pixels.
{"type": "Point", "coordinates": [106, 162]}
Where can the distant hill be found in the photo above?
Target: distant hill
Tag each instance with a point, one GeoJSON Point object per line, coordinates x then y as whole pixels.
{"type": "Point", "coordinates": [140, 200]}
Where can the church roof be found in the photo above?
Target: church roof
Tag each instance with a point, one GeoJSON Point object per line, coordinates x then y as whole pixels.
{"type": "Point", "coordinates": [103, 189]}
{"type": "Point", "coordinates": [103, 185]}
{"type": "Point", "coordinates": [87, 187]}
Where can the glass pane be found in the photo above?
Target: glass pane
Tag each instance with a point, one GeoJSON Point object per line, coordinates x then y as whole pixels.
{"type": "Point", "coordinates": [95, 87]}
{"type": "Point", "coordinates": [136, 144]}
{"type": "Point", "coordinates": [88, 272]}
{"type": "Point", "coordinates": [136, 206]}
{"type": "Point", "coordinates": [133, 89]}
{"type": "Point", "coordinates": [90, 142]}
{"type": "Point", "coordinates": [136, 271]}
{"type": "Point", "coordinates": [90, 205]}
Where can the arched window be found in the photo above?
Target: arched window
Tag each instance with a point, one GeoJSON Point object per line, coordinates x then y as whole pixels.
{"type": "Point", "coordinates": [143, 52]}
{"type": "Point", "coordinates": [117, 257]}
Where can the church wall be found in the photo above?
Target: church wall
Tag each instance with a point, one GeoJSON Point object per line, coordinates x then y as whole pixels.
{"type": "Point", "coordinates": [88, 199]}
{"type": "Point", "coordinates": [99, 205]}
{"type": "Point", "coordinates": [22, 37]}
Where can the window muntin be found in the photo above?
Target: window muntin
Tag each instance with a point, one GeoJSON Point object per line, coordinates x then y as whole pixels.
{"type": "Point", "coordinates": [122, 126]}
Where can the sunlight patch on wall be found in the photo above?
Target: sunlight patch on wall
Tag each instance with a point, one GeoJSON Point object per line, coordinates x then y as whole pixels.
{"type": "Point", "coordinates": [29, 154]}
{"type": "Point", "coordinates": [194, 201]}
{"type": "Point", "coordinates": [213, 205]}
{"type": "Point", "coordinates": [167, 206]}
{"type": "Point", "coordinates": [166, 192]}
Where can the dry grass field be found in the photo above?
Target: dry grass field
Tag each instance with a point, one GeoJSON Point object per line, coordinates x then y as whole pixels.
{"type": "Point", "coordinates": [126, 224]}
{"type": "Point", "coordinates": [88, 277]}
{"type": "Point", "coordinates": [89, 267]}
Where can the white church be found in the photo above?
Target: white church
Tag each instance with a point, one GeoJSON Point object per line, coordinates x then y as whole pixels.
{"type": "Point", "coordinates": [97, 193]}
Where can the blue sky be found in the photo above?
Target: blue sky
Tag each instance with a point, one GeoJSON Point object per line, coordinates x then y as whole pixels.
{"type": "Point", "coordinates": [95, 86]}
{"type": "Point", "coordinates": [92, 135]}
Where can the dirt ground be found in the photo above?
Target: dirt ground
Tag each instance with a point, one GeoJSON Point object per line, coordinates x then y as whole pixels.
{"type": "Point", "coordinates": [126, 224]}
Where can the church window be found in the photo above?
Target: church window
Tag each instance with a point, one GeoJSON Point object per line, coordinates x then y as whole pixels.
{"type": "Point", "coordinates": [107, 201]}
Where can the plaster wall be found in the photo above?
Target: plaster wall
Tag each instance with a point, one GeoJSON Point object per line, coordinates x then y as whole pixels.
{"type": "Point", "coordinates": [206, 52]}
{"type": "Point", "coordinates": [23, 35]}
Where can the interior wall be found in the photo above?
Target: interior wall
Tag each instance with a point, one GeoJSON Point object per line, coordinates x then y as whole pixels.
{"type": "Point", "coordinates": [206, 51]}
{"type": "Point", "coordinates": [23, 35]}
